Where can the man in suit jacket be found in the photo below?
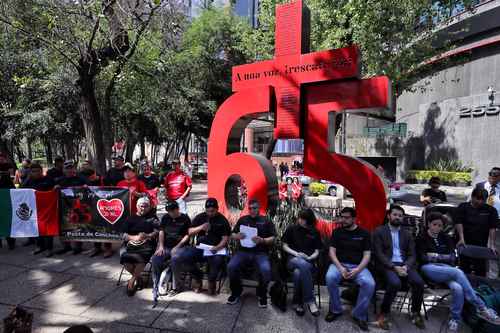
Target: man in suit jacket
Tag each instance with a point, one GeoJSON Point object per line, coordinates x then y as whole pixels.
{"type": "Point", "coordinates": [394, 250]}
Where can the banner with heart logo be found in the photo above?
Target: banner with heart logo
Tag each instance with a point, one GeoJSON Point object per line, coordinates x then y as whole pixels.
{"type": "Point", "coordinates": [94, 213]}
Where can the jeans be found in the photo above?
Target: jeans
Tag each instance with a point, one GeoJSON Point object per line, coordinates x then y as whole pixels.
{"type": "Point", "coordinates": [457, 282]}
{"type": "Point", "coordinates": [190, 256]}
{"type": "Point", "coordinates": [393, 285]}
{"type": "Point", "coordinates": [182, 205]}
{"type": "Point", "coordinates": [245, 259]}
{"type": "Point", "coordinates": [366, 289]}
{"type": "Point", "coordinates": [302, 279]}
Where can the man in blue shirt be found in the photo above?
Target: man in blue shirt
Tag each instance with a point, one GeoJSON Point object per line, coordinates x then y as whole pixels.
{"type": "Point", "coordinates": [394, 250]}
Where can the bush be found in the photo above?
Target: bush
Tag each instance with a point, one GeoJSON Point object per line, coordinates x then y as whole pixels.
{"type": "Point", "coordinates": [449, 165]}
{"type": "Point", "coordinates": [447, 177]}
{"type": "Point", "coordinates": [316, 188]}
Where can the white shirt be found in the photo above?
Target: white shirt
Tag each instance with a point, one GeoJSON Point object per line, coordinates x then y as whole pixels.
{"type": "Point", "coordinates": [496, 198]}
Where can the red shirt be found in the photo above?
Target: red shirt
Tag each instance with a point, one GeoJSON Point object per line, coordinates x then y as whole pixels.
{"type": "Point", "coordinates": [134, 186]}
{"type": "Point", "coordinates": [176, 183]}
{"type": "Point", "coordinates": [296, 191]}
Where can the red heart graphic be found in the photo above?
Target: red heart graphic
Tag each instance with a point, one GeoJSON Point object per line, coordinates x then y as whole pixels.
{"type": "Point", "coordinates": [110, 210]}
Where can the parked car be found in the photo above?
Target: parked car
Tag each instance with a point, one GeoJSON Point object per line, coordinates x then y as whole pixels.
{"type": "Point", "coordinates": [303, 179]}
{"type": "Point", "coordinates": [398, 193]}
{"type": "Point", "coordinates": [326, 187]}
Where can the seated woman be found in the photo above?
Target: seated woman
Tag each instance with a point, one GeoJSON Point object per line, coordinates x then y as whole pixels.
{"type": "Point", "coordinates": [302, 243]}
{"type": "Point", "coordinates": [139, 243]}
{"type": "Point", "coordinates": [436, 251]}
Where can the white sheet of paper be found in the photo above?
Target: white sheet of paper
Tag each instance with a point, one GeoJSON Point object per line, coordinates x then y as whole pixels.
{"type": "Point", "coordinates": [249, 233]}
{"type": "Point", "coordinates": [206, 250]}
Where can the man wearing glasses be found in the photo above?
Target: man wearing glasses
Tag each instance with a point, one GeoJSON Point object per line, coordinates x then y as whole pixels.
{"type": "Point", "coordinates": [254, 252]}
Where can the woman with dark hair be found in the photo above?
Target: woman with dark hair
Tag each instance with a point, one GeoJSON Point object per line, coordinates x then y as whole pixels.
{"type": "Point", "coordinates": [433, 194]}
{"type": "Point", "coordinates": [302, 243]}
{"type": "Point", "coordinates": [296, 189]}
{"type": "Point", "coordinates": [436, 251]}
{"type": "Point", "coordinates": [139, 243]}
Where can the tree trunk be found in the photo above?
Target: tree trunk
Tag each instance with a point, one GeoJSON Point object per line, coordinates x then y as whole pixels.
{"type": "Point", "coordinates": [48, 151]}
{"type": "Point", "coordinates": [143, 147]}
{"type": "Point", "coordinates": [91, 122]}
{"type": "Point", "coordinates": [30, 150]}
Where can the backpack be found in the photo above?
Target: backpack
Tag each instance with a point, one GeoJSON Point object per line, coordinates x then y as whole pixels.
{"type": "Point", "coordinates": [278, 293]}
{"type": "Point", "coordinates": [491, 298]}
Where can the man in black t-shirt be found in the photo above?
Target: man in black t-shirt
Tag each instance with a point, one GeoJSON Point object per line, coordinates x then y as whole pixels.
{"type": "Point", "coordinates": [57, 170]}
{"type": "Point", "coordinates": [253, 252]}
{"type": "Point", "coordinates": [115, 173]}
{"type": "Point", "coordinates": [433, 194]}
{"type": "Point", "coordinates": [476, 222]}
{"type": "Point", "coordinates": [174, 234]}
{"type": "Point", "coordinates": [350, 254]}
{"type": "Point", "coordinates": [151, 180]}
{"type": "Point", "coordinates": [212, 232]}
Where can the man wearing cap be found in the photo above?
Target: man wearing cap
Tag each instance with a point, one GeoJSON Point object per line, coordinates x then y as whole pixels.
{"type": "Point", "coordinates": [212, 231]}
{"type": "Point", "coordinates": [255, 253]}
{"type": "Point", "coordinates": [115, 173]}
{"type": "Point", "coordinates": [174, 235]}
{"type": "Point", "coordinates": [136, 187]}
{"type": "Point", "coordinates": [178, 185]}
{"type": "Point", "coordinates": [57, 170]}
{"type": "Point", "coordinates": [70, 179]}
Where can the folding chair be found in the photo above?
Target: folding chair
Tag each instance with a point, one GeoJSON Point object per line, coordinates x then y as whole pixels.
{"type": "Point", "coordinates": [145, 273]}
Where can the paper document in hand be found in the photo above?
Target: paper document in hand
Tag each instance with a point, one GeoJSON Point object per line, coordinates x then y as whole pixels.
{"type": "Point", "coordinates": [206, 250]}
{"type": "Point", "coordinates": [249, 233]}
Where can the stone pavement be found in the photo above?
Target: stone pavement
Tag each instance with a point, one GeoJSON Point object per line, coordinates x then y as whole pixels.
{"type": "Point", "coordinates": [66, 290]}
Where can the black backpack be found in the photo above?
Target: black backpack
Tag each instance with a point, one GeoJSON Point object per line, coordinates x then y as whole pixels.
{"type": "Point", "coordinates": [278, 293]}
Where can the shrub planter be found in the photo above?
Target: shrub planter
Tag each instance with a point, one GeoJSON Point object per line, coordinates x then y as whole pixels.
{"type": "Point", "coordinates": [447, 177]}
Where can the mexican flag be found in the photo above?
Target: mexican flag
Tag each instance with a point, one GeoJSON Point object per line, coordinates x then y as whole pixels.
{"type": "Point", "coordinates": [28, 213]}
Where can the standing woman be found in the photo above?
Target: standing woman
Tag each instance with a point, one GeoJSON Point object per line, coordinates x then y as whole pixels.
{"type": "Point", "coordinates": [139, 237]}
{"type": "Point", "coordinates": [436, 251]}
{"type": "Point", "coordinates": [303, 243]}
{"type": "Point", "coordinates": [296, 190]}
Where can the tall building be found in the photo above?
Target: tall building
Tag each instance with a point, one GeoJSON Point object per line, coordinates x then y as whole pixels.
{"type": "Point", "coordinates": [248, 9]}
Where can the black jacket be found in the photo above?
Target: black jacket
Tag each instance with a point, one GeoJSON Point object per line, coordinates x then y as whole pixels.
{"type": "Point", "coordinates": [382, 247]}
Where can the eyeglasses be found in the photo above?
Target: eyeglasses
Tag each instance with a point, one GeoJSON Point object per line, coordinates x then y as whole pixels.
{"type": "Point", "coordinates": [494, 174]}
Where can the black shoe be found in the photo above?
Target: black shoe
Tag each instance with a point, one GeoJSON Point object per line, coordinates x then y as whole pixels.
{"type": "Point", "coordinates": [233, 299]}
{"type": "Point", "coordinates": [330, 316]}
{"type": "Point", "coordinates": [38, 251]}
{"type": "Point", "coordinates": [63, 250]}
{"type": "Point", "coordinates": [299, 310]}
{"type": "Point", "coordinates": [362, 324]}
{"type": "Point", "coordinates": [263, 302]}
{"type": "Point", "coordinates": [77, 251]}
{"type": "Point", "coordinates": [155, 303]}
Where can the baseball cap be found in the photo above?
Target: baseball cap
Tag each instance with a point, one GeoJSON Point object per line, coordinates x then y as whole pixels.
{"type": "Point", "coordinates": [119, 158]}
{"type": "Point", "coordinates": [211, 203]}
{"type": "Point", "coordinates": [68, 164]}
{"type": "Point", "coordinates": [171, 205]}
{"type": "Point", "coordinates": [128, 166]}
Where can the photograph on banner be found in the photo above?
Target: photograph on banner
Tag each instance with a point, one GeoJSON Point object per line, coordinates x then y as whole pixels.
{"type": "Point", "coordinates": [94, 213]}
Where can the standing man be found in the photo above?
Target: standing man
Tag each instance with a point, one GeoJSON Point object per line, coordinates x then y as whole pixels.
{"type": "Point", "coordinates": [6, 183]}
{"type": "Point", "coordinates": [254, 253]}
{"type": "Point", "coordinates": [136, 187]}
{"type": "Point", "coordinates": [395, 254]}
{"type": "Point", "coordinates": [115, 173]}
{"type": "Point", "coordinates": [475, 223]}
{"type": "Point", "coordinates": [212, 229]}
{"type": "Point", "coordinates": [57, 170]}
{"type": "Point", "coordinates": [174, 235]}
{"type": "Point", "coordinates": [37, 181]}
{"type": "Point", "coordinates": [350, 254]}
{"type": "Point", "coordinates": [70, 179]}
{"type": "Point", "coordinates": [178, 185]}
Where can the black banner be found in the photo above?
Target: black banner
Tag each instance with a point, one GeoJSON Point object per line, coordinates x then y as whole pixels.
{"type": "Point", "coordinates": [93, 213]}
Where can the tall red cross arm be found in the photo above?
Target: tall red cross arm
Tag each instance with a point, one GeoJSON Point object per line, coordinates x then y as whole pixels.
{"type": "Point", "coordinates": [291, 68]}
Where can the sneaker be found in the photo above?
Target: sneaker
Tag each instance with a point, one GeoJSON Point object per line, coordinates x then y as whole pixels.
{"type": "Point", "coordinates": [362, 324]}
{"type": "Point", "coordinates": [453, 326]}
{"type": "Point", "coordinates": [233, 299]}
{"type": "Point", "coordinates": [313, 308]}
{"type": "Point", "coordinates": [489, 315]}
{"type": "Point", "coordinates": [417, 320]}
{"type": "Point", "coordinates": [299, 310]}
{"type": "Point", "coordinates": [331, 316]}
{"type": "Point", "coordinates": [383, 322]}
{"type": "Point", "coordinates": [262, 302]}
{"type": "Point", "coordinates": [162, 290]}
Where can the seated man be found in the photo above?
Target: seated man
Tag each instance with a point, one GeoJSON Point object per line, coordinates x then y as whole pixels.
{"type": "Point", "coordinates": [173, 236]}
{"type": "Point", "coordinates": [255, 253]}
{"type": "Point", "coordinates": [350, 254]}
{"type": "Point", "coordinates": [394, 250]}
{"type": "Point", "coordinates": [212, 231]}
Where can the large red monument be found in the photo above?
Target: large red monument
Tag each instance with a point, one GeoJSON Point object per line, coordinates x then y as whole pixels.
{"type": "Point", "coordinates": [304, 91]}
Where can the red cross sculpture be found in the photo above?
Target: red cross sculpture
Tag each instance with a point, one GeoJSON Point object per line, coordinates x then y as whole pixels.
{"type": "Point", "coordinates": [302, 90]}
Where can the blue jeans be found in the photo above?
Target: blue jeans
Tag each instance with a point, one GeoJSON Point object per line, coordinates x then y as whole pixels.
{"type": "Point", "coordinates": [245, 259]}
{"type": "Point", "coordinates": [182, 206]}
{"type": "Point", "coordinates": [190, 257]}
{"type": "Point", "coordinates": [457, 282]}
{"type": "Point", "coordinates": [302, 279]}
{"type": "Point", "coordinates": [366, 289]}
{"type": "Point", "coordinates": [158, 264]}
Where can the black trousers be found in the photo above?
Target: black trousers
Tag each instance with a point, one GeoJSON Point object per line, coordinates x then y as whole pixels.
{"type": "Point", "coordinates": [393, 285]}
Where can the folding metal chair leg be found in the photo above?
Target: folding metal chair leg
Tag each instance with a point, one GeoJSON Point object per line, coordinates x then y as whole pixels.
{"type": "Point", "coordinates": [120, 277]}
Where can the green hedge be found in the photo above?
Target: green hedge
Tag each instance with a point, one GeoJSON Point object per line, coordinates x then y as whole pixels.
{"type": "Point", "coordinates": [447, 177]}
{"type": "Point", "coordinates": [317, 188]}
